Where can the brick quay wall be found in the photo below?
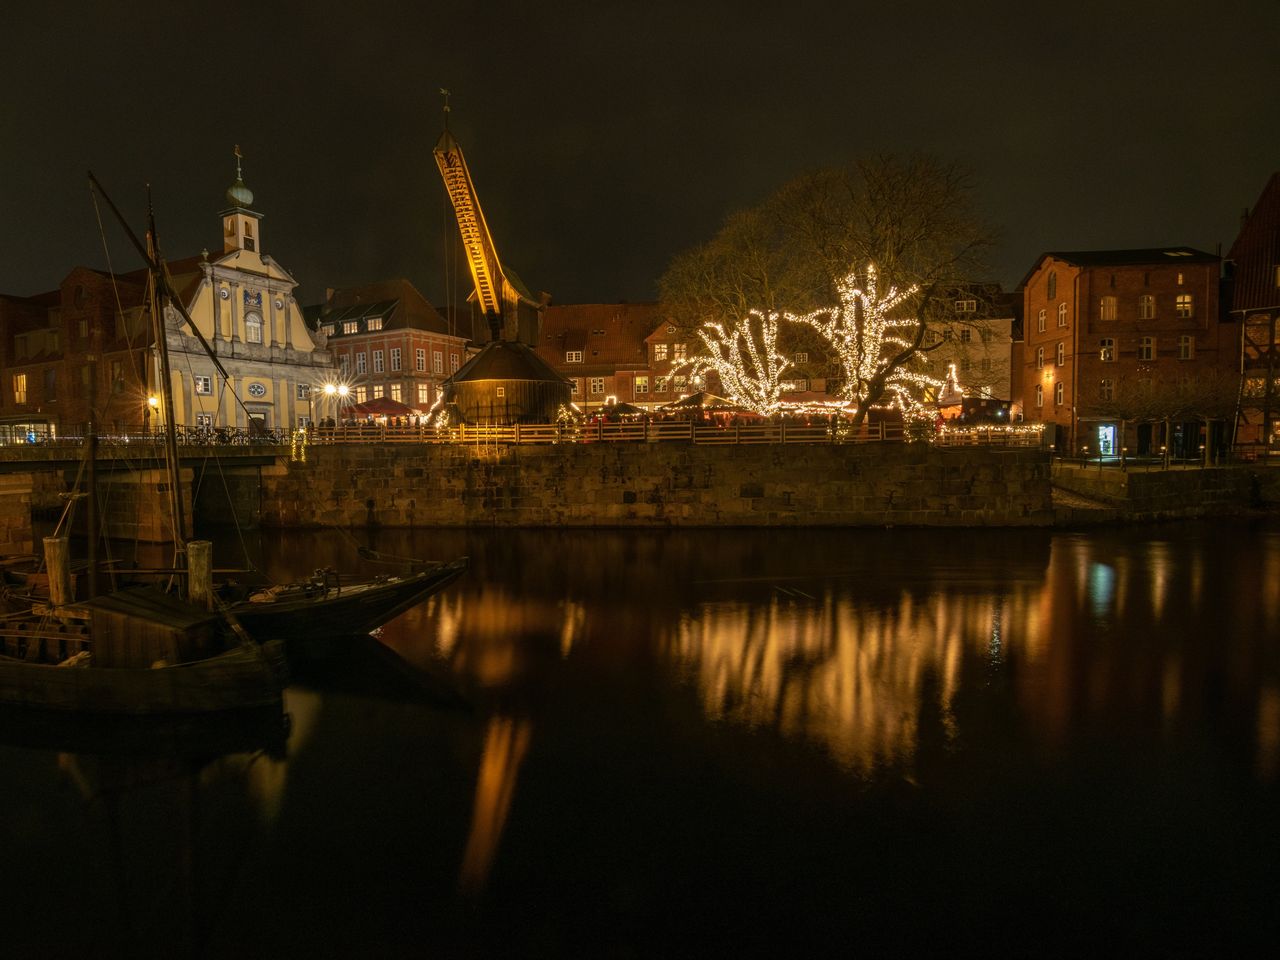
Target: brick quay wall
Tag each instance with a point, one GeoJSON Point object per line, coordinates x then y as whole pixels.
{"type": "Point", "coordinates": [653, 485]}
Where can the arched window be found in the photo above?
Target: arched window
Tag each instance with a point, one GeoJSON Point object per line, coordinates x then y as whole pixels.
{"type": "Point", "coordinates": [1061, 355]}
{"type": "Point", "coordinates": [252, 328]}
{"type": "Point", "coordinates": [1039, 395]}
{"type": "Point", "coordinates": [1059, 391]}
{"type": "Point", "coordinates": [1062, 314]}
{"type": "Point", "coordinates": [1053, 284]}
{"type": "Point", "coordinates": [1040, 321]}
{"type": "Point", "coordinates": [1039, 358]}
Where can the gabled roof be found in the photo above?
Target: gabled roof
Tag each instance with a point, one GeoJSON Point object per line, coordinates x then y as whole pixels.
{"type": "Point", "coordinates": [506, 360]}
{"type": "Point", "coordinates": [608, 334]}
{"type": "Point", "coordinates": [1256, 253]}
{"type": "Point", "coordinates": [397, 302]}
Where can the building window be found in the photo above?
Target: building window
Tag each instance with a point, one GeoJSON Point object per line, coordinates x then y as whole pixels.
{"type": "Point", "coordinates": [1147, 348]}
{"type": "Point", "coordinates": [985, 334]}
{"type": "Point", "coordinates": [437, 361]}
{"type": "Point", "coordinates": [453, 363]}
{"type": "Point", "coordinates": [377, 361]}
{"type": "Point", "coordinates": [1060, 354]}
{"type": "Point", "coordinates": [500, 391]}
{"type": "Point", "coordinates": [1062, 314]}
{"type": "Point", "coordinates": [1059, 391]}
{"type": "Point", "coordinates": [396, 392]}
{"type": "Point", "coordinates": [659, 351]}
{"type": "Point", "coordinates": [1053, 284]}
{"type": "Point", "coordinates": [1108, 353]}
{"type": "Point", "coordinates": [1108, 311]}
{"type": "Point", "coordinates": [1184, 307]}
{"type": "Point", "coordinates": [679, 382]}
{"type": "Point", "coordinates": [597, 385]}
{"type": "Point", "coordinates": [424, 393]}
{"type": "Point", "coordinates": [350, 326]}
{"type": "Point", "coordinates": [1146, 307]}
{"type": "Point", "coordinates": [420, 360]}
{"type": "Point", "coordinates": [965, 364]}
{"type": "Point", "coordinates": [573, 386]}
{"type": "Point", "coordinates": [117, 376]}
{"type": "Point", "coordinates": [373, 323]}
{"type": "Point", "coordinates": [19, 388]}
{"type": "Point", "coordinates": [252, 328]}
{"type": "Point", "coordinates": [1039, 358]}
{"type": "Point", "coordinates": [329, 329]}
{"type": "Point", "coordinates": [660, 384]}
{"type": "Point", "coordinates": [376, 391]}
{"type": "Point", "coordinates": [985, 366]}
{"type": "Point", "coordinates": [361, 365]}
{"type": "Point", "coordinates": [1106, 389]}
{"type": "Point", "coordinates": [344, 366]}
{"type": "Point", "coordinates": [203, 385]}
{"type": "Point", "coordinates": [1179, 279]}
{"type": "Point", "coordinates": [966, 335]}
{"type": "Point", "coordinates": [361, 394]}
{"type": "Point", "coordinates": [642, 385]}
{"type": "Point", "coordinates": [303, 391]}
{"type": "Point", "coordinates": [1040, 321]}
{"type": "Point", "coordinates": [802, 358]}
{"type": "Point", "coordinates": [573, 356]}
{"type": "Point", "coordinates": [1039, 395]}
{"type": "Point", "coordinates": [204, 421]}
{"type": "Point", "coordinates": [966, 306]}
{"type": "Point", "coordinates": [395, 358]}
{"type": "Point", "coordinates": [1187, 347]}
{"type": "Point", "coordinates": [678, 352]}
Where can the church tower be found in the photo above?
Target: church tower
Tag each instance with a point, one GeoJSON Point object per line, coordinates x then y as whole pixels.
{"type": "Point", "coordinates": [241, 226]}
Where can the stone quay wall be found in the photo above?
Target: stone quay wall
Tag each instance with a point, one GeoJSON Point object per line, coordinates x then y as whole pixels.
{"type": "Point", "coordinates": [653, 485]}
{"type": "Point", "coordinates": [1154, 494]}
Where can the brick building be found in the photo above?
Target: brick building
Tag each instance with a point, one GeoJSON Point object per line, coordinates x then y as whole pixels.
{"type": "Point", "coordinates": [602, 349]}
{"type": "Point", "coordinates": [388, 340]}
{"type": "Point", "coordinates": [1255, 304]}
{"type": "Point", "coordinates": [1123, 348]}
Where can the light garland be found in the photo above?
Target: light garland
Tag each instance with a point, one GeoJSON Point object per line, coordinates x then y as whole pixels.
{"type": "Point", "coordinates": [866, 338]}
{"type": "Point", "coordinates": [745, 357]}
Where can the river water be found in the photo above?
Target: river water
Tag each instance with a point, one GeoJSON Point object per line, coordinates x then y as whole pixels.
{"type": "Point", "coordinates": [711, 743]}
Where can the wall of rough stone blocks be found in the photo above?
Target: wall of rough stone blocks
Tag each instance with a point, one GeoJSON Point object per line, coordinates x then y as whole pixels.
{"type": "Point", "coordinates": [1151, 494]}
{"type": "Point", "coordinates": [668, 484]}
{"type": "Point", "coordinates": [15, 513]}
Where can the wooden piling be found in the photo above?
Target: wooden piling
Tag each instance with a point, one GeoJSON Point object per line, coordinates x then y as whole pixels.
{"type": "Point", "coordinates": [57, 559]}
{"type": "Point", "coordinates": [200, 573]}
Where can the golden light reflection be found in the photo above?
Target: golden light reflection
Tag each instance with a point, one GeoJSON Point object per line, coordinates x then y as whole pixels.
{"type": "Point", "coordinates": [1268, 763]}
{"type": "Point", "coordinates": [506, 742]}
{"type": "Point", "coordinates": [1159, 566]}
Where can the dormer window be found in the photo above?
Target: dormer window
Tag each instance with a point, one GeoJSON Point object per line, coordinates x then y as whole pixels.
{"type": "Point", "coordinates": [966, 306]}
{"type": "Point", "coordinates": [373, 323]}
{"type": "Point", "coordinates": [573, 356]}
{"type": "Point", "coordinates": [350, 326]}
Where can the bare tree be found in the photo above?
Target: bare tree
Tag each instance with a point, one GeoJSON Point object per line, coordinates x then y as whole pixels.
{"type": "Point", "coordinates": [745, 358]}
{"type": "Point", "coordinates": [911, 218]}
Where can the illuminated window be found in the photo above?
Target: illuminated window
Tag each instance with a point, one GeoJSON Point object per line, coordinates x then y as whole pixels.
{"type": "Point", "coordinates": [1187, 347]}
{"type": "Point", "coordinates": [424, 393]}
{"type": "Point", "coordinates": [573, 356]}
{"type": "Point", "coordinates": [373, 323]}
{"type": "Point", "coordinates": [1059, 391]}
{"type": "Point", "coordinates": [802, 358]}
{"type": "Point", "coordinates": [252, 328]}
{"type": "Point", "coordinates": [19, 388]}
{"type": "Point", "coordinates": [361, 365]}
{"type": "Point", "coordinates": [660, 384]}
{"type": "Point", "coordinates": [501, 391]}
{"type": "Point", "coordinates": [1040, 321]}
{"type": "Point", "coordinates": [1147, 348]}
{"type": "Point", "coordinates": [1108, 309]}
{"type": "Point", "coordinates": [361, 394]}
{"type": "Point", "coordinates": [1039, 395]}
{"type": "Point", "coordinates": [679, 382]}
{"type": "Point", "coordinates": [659, 351]}
{"type": "Point", "coordinates": [420, 360]}
{"type": "Point", "coordinates": [1108, 350]}
{"type": "Point", "coordinates": [1106, 389]}
{"type": "Point", "coordinates": [1062, 314]}
{"type": "Point", "coordinates": [437, 361]}
{"type": "Point", "coordinates": [642, 385]}
{"type": "Point", "coordinates": [573, 386]}
{"type": "Point", "coordinates": [1146, 307]}
{"type": "Point", "coordinates": [303, 391]}
{"type": "Point", "coordinates": [395, 358]}
{"type": "Point", "coordinates": [377, 361]}
{"type": "Point", "coordinates": [376, 391]}
{"type": "Point", "coordinates": [329, 329]}
{"type": "Point", "coordinates": [1184, 307]}
{"type": "Point", "coordinates": [203, 386]}
{"type": "Point", "coordinates": [396, 392]}
{"type": "Point", "coordinates": [597, 384]}
{"type": "Point", "coordinates": [678, 352]}
{"type": "Point", "coordinates": [1060, 354]}
{"type": "Point", "coordinates": [350, 326]}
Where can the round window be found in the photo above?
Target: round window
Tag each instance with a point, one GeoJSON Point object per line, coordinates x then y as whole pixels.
{"type": "Point", "coordinates": [224, 293]}
{"type": "Point", "coordinates": [257, 390]}
{"type": "Point", "coordinates": [279, 304]}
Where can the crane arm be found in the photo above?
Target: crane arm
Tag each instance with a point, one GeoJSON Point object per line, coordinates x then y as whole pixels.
{"type": "Point", "coordinates": [482, 256]}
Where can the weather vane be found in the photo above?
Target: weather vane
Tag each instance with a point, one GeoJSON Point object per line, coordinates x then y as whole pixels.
{"type": "Point", "coordinates": [445, 93]}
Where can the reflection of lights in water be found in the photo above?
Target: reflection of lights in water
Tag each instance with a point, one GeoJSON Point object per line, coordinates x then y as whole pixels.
{"type": "Point", "coordinates": [847, 675]}
{"type": "Point", "coordinates": [1268, 763]}
{"type": "Point", "coordinates": [994, 652]}
{"type": "Point", "coordinates": [505, 744]}
{"type": "Point", "coordinates": [447, 621]}
{"type": "Point", "coordinates": [1102, 587]}
{"type": "Point", "coordinates": [266, 777]}
{"type": "Point", "coordinates": [575, 616]}
{"type": "Point", "coordinates": [1159, 567]}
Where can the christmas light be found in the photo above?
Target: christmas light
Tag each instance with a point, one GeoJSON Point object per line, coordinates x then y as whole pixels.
{"type": "Point", "coordinates": [745, 357]}
{"type": "Point", "coordinates": [868, 341]}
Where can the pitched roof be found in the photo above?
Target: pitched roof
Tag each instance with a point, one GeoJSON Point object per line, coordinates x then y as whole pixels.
{"type": "Point", "coordinates": [1148, 256]}
{"type": "Point", "coordinates": [1256, 253]}
{"type": "Point", "coordinates": [397, 302]}
{"type": "Point", "coordinates": [608, 334]}
{"type": "Point", "coordinates": [506, 360]}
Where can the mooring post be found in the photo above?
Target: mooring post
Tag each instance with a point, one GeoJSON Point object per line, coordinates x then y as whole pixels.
{"type": "Point", "coordinates": [200, 573]}
{"type": "Point", "coordinates": [57, 561]}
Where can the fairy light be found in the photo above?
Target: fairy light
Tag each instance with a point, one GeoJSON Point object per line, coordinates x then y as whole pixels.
{"type": "Point", "coordinates": [744, 355]}
{"type": "Point", "coordinates": [866, 338]}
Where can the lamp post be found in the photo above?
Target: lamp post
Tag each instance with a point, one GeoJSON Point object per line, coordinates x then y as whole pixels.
{"type": "Point", "coordinates": [153, 405]}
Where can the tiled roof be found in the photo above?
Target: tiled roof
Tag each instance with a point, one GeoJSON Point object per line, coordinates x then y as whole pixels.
{"type": "Point", "coordinates": [608, 334]}
{"type": "Point", "coordinates": [398, 302]}
{"type": "Point", "coordinates": [1149, 256]}
{"type": "Point", "coordinates": [1256, 253]}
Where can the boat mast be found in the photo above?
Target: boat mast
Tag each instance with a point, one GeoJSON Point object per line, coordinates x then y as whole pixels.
{"type": "Point", "coordinates": [158, 301]}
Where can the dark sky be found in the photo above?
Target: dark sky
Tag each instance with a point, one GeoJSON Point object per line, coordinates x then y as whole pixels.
{"type": "Point", "coordinates": [604, 138]}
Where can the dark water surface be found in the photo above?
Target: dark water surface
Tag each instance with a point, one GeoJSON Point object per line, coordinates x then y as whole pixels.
{"type": "Point", "coordinates": [800, 743]}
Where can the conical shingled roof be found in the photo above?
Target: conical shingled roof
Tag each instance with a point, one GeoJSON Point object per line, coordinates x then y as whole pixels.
{"type": "Point", "coordinates": [506, 360]}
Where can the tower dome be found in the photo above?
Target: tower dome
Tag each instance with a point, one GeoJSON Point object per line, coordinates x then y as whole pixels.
{"type": "Point", "coordinates": [238, 195]}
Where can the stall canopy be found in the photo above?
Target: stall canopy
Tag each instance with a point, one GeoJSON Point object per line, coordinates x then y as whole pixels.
{"type": "Point", "coordinates": [702, 401]}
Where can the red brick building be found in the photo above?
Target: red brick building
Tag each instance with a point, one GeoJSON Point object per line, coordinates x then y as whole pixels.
{"type": "Point", "coordinates": [1112, 339]}
{"type": "Point", "coordinates": [1255, 304]}
{"type": "Point", "coordinates": [602, 349]}
{"type": "Point", "coordinates": [387, 340]}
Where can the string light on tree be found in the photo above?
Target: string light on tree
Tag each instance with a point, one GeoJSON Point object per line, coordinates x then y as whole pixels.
{"type": "Point", "coordinates": [872, 345]}
{"type": "Point", "coordinates": [745, 357]}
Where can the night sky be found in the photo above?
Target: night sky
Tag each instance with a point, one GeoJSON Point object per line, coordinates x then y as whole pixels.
{"type": "Point", "coordinates": [605, 138]}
